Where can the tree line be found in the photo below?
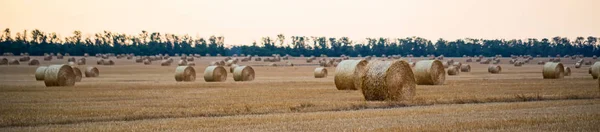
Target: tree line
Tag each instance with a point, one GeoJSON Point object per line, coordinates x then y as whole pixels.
{"type": "Point", "coordinates": [37, 42]}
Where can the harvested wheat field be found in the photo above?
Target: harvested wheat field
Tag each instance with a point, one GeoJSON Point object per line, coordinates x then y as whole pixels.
{"type": "Point", "coordinates": [130, 95]}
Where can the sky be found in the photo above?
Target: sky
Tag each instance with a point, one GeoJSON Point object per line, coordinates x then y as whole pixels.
{"type": "Point", "coordinates": [246, 21]}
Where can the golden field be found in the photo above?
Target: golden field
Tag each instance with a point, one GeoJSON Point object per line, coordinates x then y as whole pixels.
{"type": "Point", "coordinates": [132, 96]}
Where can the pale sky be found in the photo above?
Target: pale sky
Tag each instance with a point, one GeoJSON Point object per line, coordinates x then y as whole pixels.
{"type": "Point", "coordinates": [243, 21]}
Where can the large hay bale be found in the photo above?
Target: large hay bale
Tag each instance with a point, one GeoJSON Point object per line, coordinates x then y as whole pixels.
{"type": "Point", "coordinates": [92, 72]}
{"type": "Point", "coordinates": [109, 62]}
{"type": "Point", "coordinates": [24, 59]}
{"type": "Point", "coordinates": [215, 74]}
{"type": "Point", "coordinates": [165, 63]}
{"type": "Point", "coordinates": [147, 62]}
{"type": "Point", "coordinates": [494, 69]}
{"type": "Point", "coordinates": [553, 70]}
{"type": "Point", "coordinates": [388, 80]}
{"type": "Point", "coordinates": [13, 62]}
{"type": "Point", "coordinates": [453, 70]}
{"type": "Point", "coordinates": [429, 72]}
{"type": "Point", "coordinates": [457, 64]}
{"type": "Point", "coordinates": [232, 67]}
{"type": "Point", "coordinates": [185, 73]}
{"type": "Point", "coordinates": [71, 59]}
{"type": "Point", "coordinates": [139, 60]}
{"type": "Point", "coordinates": [465, 68]}
{"type": "Point", "coordinates": [595, 69]}
{"type": "Point", "coordinates": [578, 65]}
{"type": "Point", "coordinates": [34, 62]}
{"type": "Point", "coordinates": [320, 72]}
{"type": "Point", "coordinates": [347, 74]}
{"type": "Point", "coordinates": [81, 61]}
{"type": "Point", "coordinates": [78, 74]}
{"type": "Point", "coordinates": [59, 75]}
{"type": "Point", "coordinates": [182, 63]}
{"type": "Point", "coordinates": [567, 71]}
{"type": "Point", "coordinates": [243, 73]}
{"type": "Point", "coordinates": [3, 61]}
{"type": "Point", "coordinates": [518, 63]}
{"type": "Point", "coordinates": [100, 61]}
{"type": "Point", "coordinates": [40, 72]}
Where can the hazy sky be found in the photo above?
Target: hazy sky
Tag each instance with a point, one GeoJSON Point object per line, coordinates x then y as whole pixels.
{"type": "Point", "coordinates": [243, 21]}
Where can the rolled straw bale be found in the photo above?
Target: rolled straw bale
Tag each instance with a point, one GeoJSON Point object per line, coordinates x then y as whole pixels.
{"type": "Point", "coordinates": [494, 69]}
{"type": "Point", "coordinates": [389, 80]}
{"type": "Point", "coordinates": [34, 62]}
{"type": "Point", "coordinates": [40, 72]}
{"type": "Point", "coordinates": [429, 72]}
{"type": "Point", "coordinates": [24, 59]}
{"type": "Point", "coordinates": [243, 73]}
{"type": "Point", "coordinates": [147, 62]}
{"type": "Point", "coordinates": [185, 73]}
{"type": "Point", "coordinates": [182, 63]}
{"type": "Point", "coordinates": [595, 69]}
{"type": "Point", "coordinates": [541, 63]}
{"type": "Point", "coordinates": [190, 59]}
{"type": "Point", "coordinates": [78, 74]}
{"type": "Point", "coordinates": [165, 63]}
{"type": "Point", "coordinates": [453, 70]}
{"type": "Point", "coordinates": [578, 65]}
{"type": "Point", "coordinates": [215, 74]}
{"type": "Point", "coordinates": [518, 63]}
{"type": "Point", "coordinates": [272, 64]}
{"type": "Point", "coordinates": [465, 68]}
{"type": "Point", "coordinates": [13, 62]}
{"type": "Point", "coordinates": [320, 72]}
{"type": "Point", "coordinates": [567, 71]}
{"type": "Point", "coordinates": [139, 60]}
{"type": "Point", "coordinates": [108, 62]}
{"type": "Point", "coordinates": [191, 64]}
{"type": "Point", "coordinates": [232, 67]}
{"type": "Point", "coordinates": [553, 70]}
{"type": "Point", "coordinates": [347, 74]}
{"type": "Point", "coordinates": [92, 72]}
{"type": "Point", "coordinates": [59, 75]}
{"type": "Point", "coordinates": [72, 59]}
{"type": "Point", "coordinates": [4, 61]}
{"type": "Point", "coordinates": [100, 61]}
{"type": "Point", "coordinates": [47, 58]}
{"type": "Point", "coordinates": [457, 64]}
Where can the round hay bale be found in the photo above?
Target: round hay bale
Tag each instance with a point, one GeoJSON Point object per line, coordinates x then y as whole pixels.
{"type": "Point", "coordinates": [215, 74]}
{"type": "Point", "coordinates": [388, 80]}
{"type": "Point", "coordinates": [567, 71]}
{"type": "Point", "coordinates": [320, 72]}
{"type": "Point", "coordinates": [59, 75]}
{"type": "Point", "coordinates": [13, 62]}
{"type": "Point", "coordinates": [185, 73]}
{"type": "Point", "coordinates": [230, 62]}
{"type": "Point", "coordinates": [578, 65]}
{"type": "Point", "coordinates": [100, 61]}
{"type": "Point", "coordinates": [232, 67]}
{"type": "Point", "coordinates": [147, 62]}
{"type": "Point", "coordinates": [445, 64]}
{"type": "Point", "coordinates": [40, 72]}
{"type": "Point", "coordinates": [92, 72]}
{"type": "Point", "coordinates": [347, 74]}
{"type": "Point", "coordinates": [272, 64]}
{"type": "Point", "coordinates": [109, 62]}
{"type": "Point", "coordinates": [518, 63]}
{"type": "Point", "coordinates": [81, 61]}
{"type": "Point", "coordinates": [191, 64]}
{"type": "Point", "coordinates": [465, 68]}
{"type": "Point", "coordinates": [452, 70]}
{"type": "Point", "coordinates": [595, 70]}
{"type": "Point", "coordinates": [78, 74]}
{"type": "Point", "coordinates": [494, 69]}
{"type": "Point", "coordinates": [165, 63]}
{"type": "Point", "coordinates": [182, 63]}
{"type": "Point", "coordinates": [72, 59]}
{"type": "Point", "coordinates": [429, 72]}
{"type": "Point", "coordinates": [243, 73]}
{"type": "Point", "coordinates": [553, 70]}
{"type": "Point", "coordinates": [190, 59]}
{"type": "Point", "coordinates": [4, 61]}
{"type": "Point", "coordinates": [34, 62]}
{"type": "Point", "coordinates": [457, 64]}
{"type": "Point", "coordinates": [139, 60]}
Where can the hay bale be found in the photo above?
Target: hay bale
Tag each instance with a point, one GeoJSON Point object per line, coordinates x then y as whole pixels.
{"type": "Point", "coordinates": [40, 72]}
{"type": "Point", "coordinates": [215, 74]}
{"type": "Point", "coordinates": [34, 62]}
{"type": "Point", "coordinates": [92, 72]}
{"type": "Point", "coordinates": [13, 62]}
{"type": "Point", "coordinates": [232, 67]}
{"type": "Point", "coordinates": [81, 61]}
{"type": "Point", "coordinates": [59, 75]}
{"type": "Point", "coordinates": [243, 73]}
{"type": "Point", "coordinates": [578, 65]}
{"type": "Point", "coordinates": [165, 63]}
{"type": "Point", "coordinates": [182, 63]}
{"type": "Point", "coordinates": [191, 64]}
{"type": "Point", "coordinates": [190, 59]}
{"type": "Point", "coordinates": [185, 73]}
{"type": "Point", "coordinates": [518, 63]}
{"type": "Point", "coordinates": [147, 62]}
{"type": "Point", "coordinates": [78, 74]}
{"type": "Point", "coordinates": [465, 68]}
{"type": "Point", "coordinates": [429, 72]}
{"type": "Point", "coordinates": [457, 64]}
{"type": "Point", "coordinates": [100, 61]}
{"type": "Point", "coordinates": [320, 72]}
{"type": "Point", "coordinates": [139, 60]}
{"type": "Point", "coordinates": [494, 69]}
{"type": "Point", "coordinates": [273, 64]}
{"type": "Point", "coordinates": [72, 59]}
{"type": "Point", "coordinates": [553, 70]}
{"type": "Point", "coordinates": [388, 80]}
{"type": "Point", "coordinates": [453, 70]}
{"type": "Point", "coordinates": [4, 61]}
{"type": "Point", "coordinates": [109, 62]}
{"type": "Point", "coordinates": [595, 70]}
{"type": "Point", "coordinates": [347, 74]}
{"type": "Point", "coordinates": [567, 71]}
{"type": "Point", "coordinates": [24, 59]}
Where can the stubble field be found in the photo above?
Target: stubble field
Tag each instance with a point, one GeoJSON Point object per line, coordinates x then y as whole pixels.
{"type": "Point", "coordinates": [131, 95]}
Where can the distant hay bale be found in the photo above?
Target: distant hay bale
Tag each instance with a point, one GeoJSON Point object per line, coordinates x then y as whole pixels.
{"type": "Point", "coordinates": [72, 59]}
{"type": "Point", "coordinates": [273, 64]}
{"type": "Point", "coordinates": [24, 59]}
{"type": "Point", "coordinates": [453, 70]}
{"type": "Point", "coordinates": [541, 63]}
{"type": "Point", "coordinates": [190, 59]}
{"type": "Point", "coordinates": [457, 64]}
{"type": "Point", "coordinates": [109, 62]}
{"type": "Point", "coordinates": [518, 63]}
{"type": "Point", "coordinates": [165, 63]}
{"type": "Point", "coordinates": [81, 61]}
{"type": "Point", "coordinates": [147, 62]}
{"type": "Point", "coordinates": [320, 72]}
{"type": "Point", "coordinates": [465, 68]}
{"type": "Point", "coordinates": [13, 62]}
{"type": "Point", "coordinates": [185, 73]}
{"type": "Point", "coordinates": [494, 69]}
{"type": "Point", "coordinates": [4, 61]}
{"type": "Point", "coordinates": [595, 69]}
{"type": "Point", "coordinates": [92, 72]}
{"type": "Point", "coordinates": [232, 67]}
{"type": "Point", "coordinates": [34, 62]}
{"type": "Point", "coordinates": [40, 72]}
{"type": "Point", "coordinates": [59, 75]}
{"type": "Point", "coordinates": [388, 80]}
{"type": "Point", "coordinates": [139, 60]}
{"type": "Point", "coordinates": [182, 63]}
{"type": "Point", "coordinates": [191, 64]}
{"type": "Point", "coordinates": [100, 61]}
{"type": "Point", "coordinates": [243, 73]}
{"type": "Point", "coordinates": [347, 74]}
{"type": "Point", "coordinates": [289, 63]}
{"type": "Point", "coordinates": [215, 74]}
{"type": "Point", "coordinates": [78, 74]}
{"type": "Point", "coordinates": [553, 70]}
{"type": "Point", "coordinates": [567, 71]}
{"type": "Point", "coordinates": [429, 72]}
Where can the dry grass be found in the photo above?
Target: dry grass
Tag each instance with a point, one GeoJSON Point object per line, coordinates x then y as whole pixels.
{"type": "Point", "coordinates": [132, 94]}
